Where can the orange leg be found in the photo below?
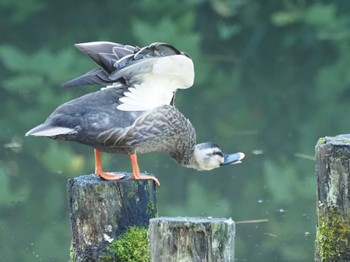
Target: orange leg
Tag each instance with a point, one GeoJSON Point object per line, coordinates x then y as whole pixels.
{"type": "Point", "coordinates": [136, 170]}
{"type": "Point", "coordinates": [98, 168]}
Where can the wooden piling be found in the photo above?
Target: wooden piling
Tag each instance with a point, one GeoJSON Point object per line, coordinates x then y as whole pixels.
{"type": "Point", "coordinates": [333, 199]}
{"type": "Point", "coordinates": [100, 211]}
{"type": "Point", "coordinates": [191, 239]}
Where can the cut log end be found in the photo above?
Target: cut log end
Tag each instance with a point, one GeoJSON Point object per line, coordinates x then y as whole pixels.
{"type": "Point", "coordinates": [191, 239]}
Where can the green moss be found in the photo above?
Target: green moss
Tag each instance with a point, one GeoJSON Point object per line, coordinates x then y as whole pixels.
{"type": "Point", "coordinates": [72, 254]}
{"type": "Point", "coordinates": [321, 141]}
{"type": "Point", "coordinates": [100, 189]}
{"type": "Point", "coordinates": [131, 246]}
{"type": "Point", "coordinates": [333, 236]}
{"type": "Point", "coordinates": [150, 209]}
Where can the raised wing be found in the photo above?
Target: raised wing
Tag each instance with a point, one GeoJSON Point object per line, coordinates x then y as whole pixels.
{"type": "Point", "coordinates": [105, 54]}
{"type": "Point", "coordinates": [153, 73]}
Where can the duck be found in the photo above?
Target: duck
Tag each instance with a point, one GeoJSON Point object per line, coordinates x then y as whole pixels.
{"type": "Point", "coordinates": [134, 112]}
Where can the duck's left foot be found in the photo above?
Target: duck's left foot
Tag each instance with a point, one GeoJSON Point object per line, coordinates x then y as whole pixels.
{"type": "Point", "coordinates": [136, 171]}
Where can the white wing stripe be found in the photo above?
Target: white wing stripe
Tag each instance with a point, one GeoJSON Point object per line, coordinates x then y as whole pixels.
{"type": "Point", "coordinates": [157, 86]}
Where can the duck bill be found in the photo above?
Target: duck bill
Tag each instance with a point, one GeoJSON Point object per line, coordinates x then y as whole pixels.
{"type": "Point", "coordinates": [232, 159]}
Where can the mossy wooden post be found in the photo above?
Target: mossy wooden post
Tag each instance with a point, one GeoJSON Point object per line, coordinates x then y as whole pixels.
{"type": "Point", "coordinates": [191, 239]}
{"type": "Point", "coordinates": [333, 199]}
{"type": "Point", "coordinates": [101, 211]}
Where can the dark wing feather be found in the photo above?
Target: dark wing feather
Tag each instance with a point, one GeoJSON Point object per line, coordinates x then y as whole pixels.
{"type": "Point", "coordinates": [107, 61]}
{"type": "Point", "coordinates": [94, 77]}
{"type": "Point", "coordinates": [105, 54]}
{"type": "Point", "coordinates": [119, 61]}
{"type": "Point", "coordinates": [94, 49]}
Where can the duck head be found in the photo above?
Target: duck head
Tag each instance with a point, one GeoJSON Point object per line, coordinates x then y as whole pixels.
{"type": "Point", "coordinates": [208, 156]}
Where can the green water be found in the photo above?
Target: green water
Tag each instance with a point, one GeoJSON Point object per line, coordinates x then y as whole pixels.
{"type": "Point", "coordinates": [271, 78]}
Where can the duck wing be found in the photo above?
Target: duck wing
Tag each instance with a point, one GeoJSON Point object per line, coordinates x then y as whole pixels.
{"type": "Point", "coordinates": [153, 73]}
{"type": "Point", "coordinates": [104, 54]}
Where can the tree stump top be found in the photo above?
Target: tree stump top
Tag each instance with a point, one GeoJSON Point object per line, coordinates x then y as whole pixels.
{"type": "Point", "coordinates": [193, 220]}
{"type": "Point", "coordinates": [94, 179]}
{"type": "Point", "coordinates": [339, 140]}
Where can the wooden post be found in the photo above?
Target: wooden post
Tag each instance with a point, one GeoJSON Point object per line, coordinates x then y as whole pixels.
{"type": "Point", "coordinates": [333, 199]}
{"type": "Point", "coordinates": [100, 211]}
{"type": "Point", "coordinates": [191, 239]}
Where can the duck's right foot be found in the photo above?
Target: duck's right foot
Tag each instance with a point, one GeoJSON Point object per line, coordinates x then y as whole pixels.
{"type": "Point", "coordinates": [108, 176]}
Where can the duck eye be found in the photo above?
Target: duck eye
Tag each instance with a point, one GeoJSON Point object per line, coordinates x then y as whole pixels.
{"type": "Point", "coordinates": [219, 153]}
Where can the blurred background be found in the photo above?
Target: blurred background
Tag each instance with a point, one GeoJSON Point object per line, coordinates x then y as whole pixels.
{"type": "Point", "coordinates": [271, 78]}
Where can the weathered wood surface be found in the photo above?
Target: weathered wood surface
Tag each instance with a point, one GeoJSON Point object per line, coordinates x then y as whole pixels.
{"type": "Point", "coordinates": [102, 210]}
{"type": "Point", "coordinates": [333, 199]}
{"type": "Point", "coordinates": [191, 239]}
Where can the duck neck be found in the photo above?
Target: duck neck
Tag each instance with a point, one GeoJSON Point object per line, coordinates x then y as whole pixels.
{"type": "Point", "coordinates": [184, 146]}
{"type": "Point", "coordinates": [185, 157]}
{"type": "Point", "coordinates": [177, 135]}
